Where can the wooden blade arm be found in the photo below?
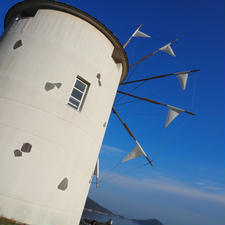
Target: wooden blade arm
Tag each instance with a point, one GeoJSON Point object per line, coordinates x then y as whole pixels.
{"type": "Point", "coordinates": [129, 131]}
{"type": "Point", "coordinates": [152, 101]}
{"type": "Point", "coordinates": [159, 76]}
{"type": "Point", "coordinates": [124, 124]}
{"type": "Point", "coordinates": [147, 56]}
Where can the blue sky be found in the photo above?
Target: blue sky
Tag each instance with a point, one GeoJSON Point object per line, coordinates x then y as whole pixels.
{"type": "Point", "coordinates": [186, 186]}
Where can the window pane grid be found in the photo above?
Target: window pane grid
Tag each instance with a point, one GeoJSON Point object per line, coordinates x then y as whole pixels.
{"type": "Point", "coordinates": [81, 86]}
{"type": "Point", "coordinates": [78, 90]}
{"type": "Point", "coordinates": [74, 102]}
{"type": "Point", "coordinates": [74, 106]}
{"type": "Point", "coordinates": [78, 94]}
{"type": "Point", "coordinates": [75, 99]}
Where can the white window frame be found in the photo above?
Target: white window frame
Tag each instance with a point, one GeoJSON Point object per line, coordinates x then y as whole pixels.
{"type": "Point", "coordinates": [84, 93]}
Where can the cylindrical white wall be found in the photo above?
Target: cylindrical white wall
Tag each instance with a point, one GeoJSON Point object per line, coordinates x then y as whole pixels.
{"type": "Point", "coordinates": [56, 47]}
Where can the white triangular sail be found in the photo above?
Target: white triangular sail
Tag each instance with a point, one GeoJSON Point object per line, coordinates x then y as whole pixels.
{"type": "Point", "coordinates": [182, 77]}
{"type": "Point", "coordinates": [136, 152]}
{"type": "Point", "coordinates": [172, 114]}
{"type": "Point", "coordinates": [96, 172]}
{"type": "Point", "coordinates": [167, 49]}
{"type": "Point", "coordinates": [138, 33]}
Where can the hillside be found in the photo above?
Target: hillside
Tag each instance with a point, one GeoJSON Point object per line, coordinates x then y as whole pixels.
{"type": "Point", "coordinates": [90, 204]}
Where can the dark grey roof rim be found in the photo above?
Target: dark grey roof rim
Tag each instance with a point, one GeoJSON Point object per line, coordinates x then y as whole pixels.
{"type": "Point", "coordinates": [54, 5]}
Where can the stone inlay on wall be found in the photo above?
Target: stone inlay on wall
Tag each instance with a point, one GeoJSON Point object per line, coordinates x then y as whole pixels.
{"type": "Point", "coordinates": [17, 44]}
{"type": "Point", "coordinates": [63, 185]}
{"type": "Point", "coordinates": [49, 86]}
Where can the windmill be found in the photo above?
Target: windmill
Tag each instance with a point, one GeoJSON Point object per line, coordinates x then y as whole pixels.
{"type": "Point", "coordinates": [59, 73]}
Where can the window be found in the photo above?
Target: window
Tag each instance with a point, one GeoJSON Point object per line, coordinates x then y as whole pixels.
{"type": "Point", "coordinates": [78, 94]}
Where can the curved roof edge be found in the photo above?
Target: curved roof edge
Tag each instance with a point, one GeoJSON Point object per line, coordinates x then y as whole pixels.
{"type": "Point", "coordinates": [30, 7]}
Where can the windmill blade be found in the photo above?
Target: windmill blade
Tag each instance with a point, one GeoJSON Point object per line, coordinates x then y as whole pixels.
{"type": "Point", "coordinates": [172, 114]}
{"type": "Point", "coordinates": [132, 36]}
{"type": "Point", "coordinates": [138, 33]}
{"type": "Point", "coordinates": [151, 54]}
{"type": "Point", "coordinates": [96, 172]}
{"type": "Point", "coordinates": [167, 49]}
{"type": "Point", "coordinates": [153, 101]}
{"type": "Point", "coordinates": [124, 124]}
{"type": "Point", "coordinates": [137, 151]}
{"type": "Point", "coordinates": [183, 80]}
{"type": "Point", "coordinates": [161, 76]}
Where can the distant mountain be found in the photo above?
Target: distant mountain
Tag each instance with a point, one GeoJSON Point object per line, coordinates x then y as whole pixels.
{"type": "Point", "coordinates": [148, 222]}
{"type": "Point", "coordinates": [90, 204]}
{"type": "Point", "coordinates": [96, 208]}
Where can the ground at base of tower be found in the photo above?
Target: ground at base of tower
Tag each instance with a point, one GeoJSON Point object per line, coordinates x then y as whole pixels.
{"type": "Point", "coordinates": [5, 221]}
{"type": "Point", "coordinates": [88, 221]}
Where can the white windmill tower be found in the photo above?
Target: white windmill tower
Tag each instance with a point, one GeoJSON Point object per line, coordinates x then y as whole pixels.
{"type": "Point", "coordinates": [59, 73]}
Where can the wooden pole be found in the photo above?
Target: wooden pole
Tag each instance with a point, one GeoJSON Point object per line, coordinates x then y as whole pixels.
{"type": "Point", "coordinates": [149, 161]}
{"type": "Point", "coordinates": [151, 54]}
{"type": "Point", "coordinates": [130, 133]}
{"type": "Point", "coordinates": [124, 124]}
{"type": "Point", "coordinates": [131, 37]}
{"type": "Point", "coordinates": [152, 101]}
{"type": "Point", "coordinates": [159, 76]}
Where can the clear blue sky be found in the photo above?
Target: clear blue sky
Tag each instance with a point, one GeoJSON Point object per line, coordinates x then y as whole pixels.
{"type": "Point", "coordinates": [187, 184]}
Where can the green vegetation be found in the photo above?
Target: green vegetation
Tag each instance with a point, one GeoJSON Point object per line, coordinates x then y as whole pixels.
{"type": "Point", "coordinates": [4, 221]}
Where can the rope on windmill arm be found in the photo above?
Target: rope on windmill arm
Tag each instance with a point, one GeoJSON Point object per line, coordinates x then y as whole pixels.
{"type": "Point", "coordinates": [155, 102]}
{"type": "Point", "coordinates": [130, 74]}
{"type": "Point", "coordinates": [132, 90]}
{"type": "Point", "coordinates": [194, 93]}
{"type": "Point", "coordinates": [128, 78]}
{"type": "Point", "coordinates": [112, 169]}
{"type": "Point", "coordinates": [123, 103]}
{"type": "Point", "coordinates": [149, 55]}
{"type": "Point", "coordinates": [128, 171]}
{"type": "Point", "coordinates": [145, 80]}
{"type": "Point", "coordinates": [159, 76]}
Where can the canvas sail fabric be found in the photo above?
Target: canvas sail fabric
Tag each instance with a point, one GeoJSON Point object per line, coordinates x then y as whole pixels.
{"type": "Point", "coordinates": [136, 152]}
{"type": "Point", "coordinates": [172, 114]}
{"type": "Point", "coordinates": [182, 77]}
{"type": "Point", "coordinates": [140, 34]}
{"type": "Point", "coordinates": [167, 49]}
{"type": "Point", "coordinates": [96, 172]}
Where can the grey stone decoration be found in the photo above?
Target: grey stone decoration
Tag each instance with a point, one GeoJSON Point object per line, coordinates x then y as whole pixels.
{"type": "Point", "coordinates": [17, 153]}
{"type": "Point", "coordinates": [58, 85]}
{"type": "Point", "coordinates": [17, 44]}
{"type": "Point", "coordinates": [49, 86]}
{"type": "Point", "coordinates": [98, 76]}
{"type": "Point", "coordinates": [26, 147]}
{"type": "Point", "coordinates": [63, 184]}
{"type": "Point", "coordinates": [99, 79]}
